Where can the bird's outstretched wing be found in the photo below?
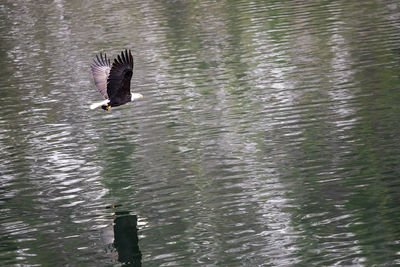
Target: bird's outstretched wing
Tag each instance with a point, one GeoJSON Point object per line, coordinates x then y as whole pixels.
{"type": "Point", "coordinates": [101, 70]}
{"type": "Point", "coordinates": [119, 80]}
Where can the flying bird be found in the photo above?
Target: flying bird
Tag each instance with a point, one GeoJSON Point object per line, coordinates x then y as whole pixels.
{"type": "Point", "coordinates": [113, 81]}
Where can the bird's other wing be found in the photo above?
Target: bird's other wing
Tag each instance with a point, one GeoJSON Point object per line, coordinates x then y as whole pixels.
{"type": "Point", "coordinates": [101, 67]}
{"type": "Point", "coordinates": [119, 80]}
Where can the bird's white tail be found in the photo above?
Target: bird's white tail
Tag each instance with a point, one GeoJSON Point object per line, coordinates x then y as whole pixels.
{"type": "Point", "coordinates": [99, 104]}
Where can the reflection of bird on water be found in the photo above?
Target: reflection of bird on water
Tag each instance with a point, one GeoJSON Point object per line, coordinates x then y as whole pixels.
{"type": "Point", "coordinates": [114, 81]}
{"type": "Point", "coordinates": [124, 239]}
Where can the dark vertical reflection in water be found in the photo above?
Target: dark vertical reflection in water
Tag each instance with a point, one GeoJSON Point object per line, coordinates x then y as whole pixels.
{"type": "Point", "coordinates": [268, 134]}
{"type": "Point", "coordinates": [121, 239]}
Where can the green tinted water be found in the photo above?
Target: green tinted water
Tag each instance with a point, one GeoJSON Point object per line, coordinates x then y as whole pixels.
{"type": "Point", "coordinates": [268, 134]}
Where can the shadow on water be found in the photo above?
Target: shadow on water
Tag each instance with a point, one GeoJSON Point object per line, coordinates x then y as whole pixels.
{"type": "Point", "coordinates": [122, 240]}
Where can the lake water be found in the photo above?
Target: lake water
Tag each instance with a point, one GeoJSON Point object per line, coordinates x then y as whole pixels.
{"type": "Point", "coordinates": [268, 135]}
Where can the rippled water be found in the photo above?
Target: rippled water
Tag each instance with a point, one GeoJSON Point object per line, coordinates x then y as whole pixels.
{"type": "Point", "coordinates": [268, 134]}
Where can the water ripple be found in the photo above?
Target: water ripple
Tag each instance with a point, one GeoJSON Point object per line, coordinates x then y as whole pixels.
{"type": "Point", "coordinates": [267, 134]}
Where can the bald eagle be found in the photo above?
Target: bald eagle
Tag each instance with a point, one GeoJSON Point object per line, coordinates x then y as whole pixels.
{"type": "Point", "coordinates": [113, 81]}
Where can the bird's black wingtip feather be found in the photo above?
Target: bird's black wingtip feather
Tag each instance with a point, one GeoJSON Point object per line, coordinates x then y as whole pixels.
{"type": "Point", "coordinates": [123, 56]}
{"type": "Point", "coordinates": [101, 60]}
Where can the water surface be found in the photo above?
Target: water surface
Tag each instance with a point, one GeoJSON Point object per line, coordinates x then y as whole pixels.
{"type": "Point", "coordinates": [268, 134]}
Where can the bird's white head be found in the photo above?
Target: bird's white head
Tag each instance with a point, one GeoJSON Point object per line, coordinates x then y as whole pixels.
{"type": "Point", "coordinates": [136, 96]}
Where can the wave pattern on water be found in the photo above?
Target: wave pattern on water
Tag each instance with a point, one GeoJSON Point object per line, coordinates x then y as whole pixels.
{"type": "Point", "coordinates": [268, 133]}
